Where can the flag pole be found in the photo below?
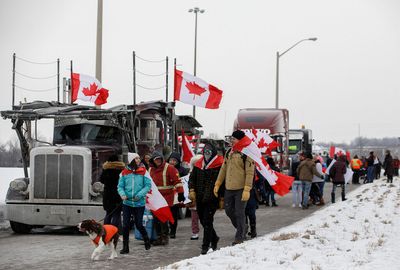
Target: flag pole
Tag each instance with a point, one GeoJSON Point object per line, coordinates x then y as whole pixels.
{"type": "Point", "coordinates": [71, 86]}
{"type": "Point", "coordinates": [174, 77]}
{"type": "Point", "coordinates": [134, 76]}
{"type": "Point", "coordinates": [166, 79]}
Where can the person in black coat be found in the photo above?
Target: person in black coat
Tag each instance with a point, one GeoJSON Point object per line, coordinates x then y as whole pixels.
{"type": "Point", "coordinates": [201, 185]}
{"type": "Point", "coordinates": [388, 167]}
{"type": "Point", "coordinates": [337, 172]}
{"type": "Point", "coordinates": [111, 199]}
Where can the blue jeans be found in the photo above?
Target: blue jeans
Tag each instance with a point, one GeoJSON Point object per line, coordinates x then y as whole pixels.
{"type": "Point", "coordinates": [321, 188]}
{"type": "Point", "coordinates": [370, 174]}
{"type": "Point", "coordinates": [306, 186]}
{"type": "Point", "coordinates": [296, 190]}
{"type": "Point", "coordinates": [137, 213]}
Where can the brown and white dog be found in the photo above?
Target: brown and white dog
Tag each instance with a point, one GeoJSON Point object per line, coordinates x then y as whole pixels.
{"type": "Point", "coordinates": [102, 236]}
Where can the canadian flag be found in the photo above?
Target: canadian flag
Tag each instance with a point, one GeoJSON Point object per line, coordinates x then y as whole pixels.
{"type": "Point", "coordinates": [281, 183]}
{"type": "Point", "coordinates": [192, 90]}
{"type": "Point", "coordinates": [187, 150]}
{"type": "Point", "coordinates": [262, 139]}
{"type": "Point", "coordinates": [157, 204]}
{"type": "Point", "coordinates": [89, 89]}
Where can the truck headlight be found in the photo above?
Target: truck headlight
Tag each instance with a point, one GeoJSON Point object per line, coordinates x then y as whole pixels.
{"type": "Point", "coordinates": [18, 185]}
{"type": "Point", "coordinates": [97, 187]}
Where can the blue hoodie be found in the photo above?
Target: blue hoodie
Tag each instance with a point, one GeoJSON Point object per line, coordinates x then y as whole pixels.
{"type": "Point", "coordinates": [134, 184]}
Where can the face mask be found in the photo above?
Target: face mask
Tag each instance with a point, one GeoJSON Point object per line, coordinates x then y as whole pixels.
{"type": "Point", "coordinates": [207, 154]}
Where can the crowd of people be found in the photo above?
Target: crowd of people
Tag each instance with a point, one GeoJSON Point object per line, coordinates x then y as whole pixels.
{"type": "Point", "coordinates": [216, 180]}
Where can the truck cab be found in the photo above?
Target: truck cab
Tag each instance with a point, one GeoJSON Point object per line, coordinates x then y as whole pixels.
{"type": "Point", "coordinates": [300, 140]}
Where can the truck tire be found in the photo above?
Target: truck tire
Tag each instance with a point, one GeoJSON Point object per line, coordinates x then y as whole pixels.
{"type": "Point", "coordinates": [20, 227]}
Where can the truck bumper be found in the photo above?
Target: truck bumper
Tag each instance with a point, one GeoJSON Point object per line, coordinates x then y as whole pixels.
{"type": "Point", "coordinates": [59, 215]}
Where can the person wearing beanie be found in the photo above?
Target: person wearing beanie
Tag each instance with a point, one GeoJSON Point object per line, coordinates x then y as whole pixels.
{"type": "Point", "coordinates": [237, 174]}
{"type": "Point", "coordinates": [133, 187]}
{"type": "Point", "coordinates": [166, 178]}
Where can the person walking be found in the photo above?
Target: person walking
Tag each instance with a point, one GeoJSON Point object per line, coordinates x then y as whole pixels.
{"type": "Point", "coordinates": [175, 160]}
{"type": "Point", "coordinates": [355, 165]}
{"type": "Point", "coordinates": [306, 171]}
{"type": "Point", "coordinates": [370, 167]}
{"type": "Point", "coordinates": [388, 166]}
{"type": "Point", "coordinates": [268, 189]}
{"type": "Point", "coordinates": [337, 172]}
{"type": "Point", "coordinates": [237, 173]}
{"type": "Point", "coordinates": [296, 186]}
{"type": "Point", "coordinates": [133, 186]}
{"type": "Point", "coordinates": [201, 184]}
{"type": "Point", "coordinates": [318, 183]}
{"type": "Point", "coordinates": [111, 199]}
{"type": "Point", "coordinates": [166, 178]}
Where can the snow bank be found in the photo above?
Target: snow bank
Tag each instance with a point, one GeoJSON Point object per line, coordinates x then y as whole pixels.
{"type": "Point", "coordinates": [6, 176]}
{"type": "Point", "coordinates": [360, 233]}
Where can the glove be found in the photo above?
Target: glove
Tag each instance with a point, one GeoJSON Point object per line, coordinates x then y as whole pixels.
{"type": "Point", "coordinates": [322, 177]}
{"type": "Point", "coordinates": [246, 194]}
{"type": "Point", "coordinates": [181, 197]}
{"type": "Point", "coordinates": [216, 188]}
{"type": "Point", "coordinates": [192, 195]}
{"type": "Point", "coordinates": [135, 199]}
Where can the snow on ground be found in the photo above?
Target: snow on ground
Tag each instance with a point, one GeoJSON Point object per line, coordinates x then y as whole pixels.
{"type": "Point", "coordinates": [360, 233]}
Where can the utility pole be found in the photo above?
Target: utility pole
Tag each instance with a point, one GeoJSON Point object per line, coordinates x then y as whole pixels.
{"type": "Point", "coordinates": [99, 39]}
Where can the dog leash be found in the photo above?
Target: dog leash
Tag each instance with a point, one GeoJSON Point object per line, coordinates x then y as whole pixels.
{"type": "Point", "coordinates": [118, 206]}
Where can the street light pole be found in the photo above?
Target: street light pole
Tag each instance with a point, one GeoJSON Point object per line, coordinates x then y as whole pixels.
{"type": "Point", "coordinates": [278, 56]}
{"type": "Point", "coordinates": [195, 11]}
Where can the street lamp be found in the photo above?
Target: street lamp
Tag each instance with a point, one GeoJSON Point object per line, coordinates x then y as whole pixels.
{"type": "Point", "coordinates": [195, 11]}
{"type": "Point", "coordinates": [278, 55]}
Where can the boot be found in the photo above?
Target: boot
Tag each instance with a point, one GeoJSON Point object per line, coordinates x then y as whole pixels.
{"type": "Point", "coordinates": [125, 248]}
{"type": "Point", "coordinates": [214, 243]}
{"type": "Point", "coordinates": [321, 202]}
{"type": "Point", "coordinates": [333, 197]}
{"type": "Point", "coordinates": [147, 245]}
{"type": "Point", "coordinates": [158, 241]}
{"type": "Point", "coordinates": [274, 204]}
{"type": "Point", "coordinates": [165, 239]}
{"type": "Point", "coordinates": [253, 232]}
{"type": "Point", "coordinates": [204, 250]}
{"type": "Point", "coordinates": [343, 197]}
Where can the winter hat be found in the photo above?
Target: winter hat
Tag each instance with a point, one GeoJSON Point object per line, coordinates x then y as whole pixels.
{"type": "Point", "coordinates": [132, 156]}
{"type": "Point", "coordinates": [238, 134]}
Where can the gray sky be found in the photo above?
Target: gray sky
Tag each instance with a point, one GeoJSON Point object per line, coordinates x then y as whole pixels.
{"type": "Point", "coordinates": [346, 79]}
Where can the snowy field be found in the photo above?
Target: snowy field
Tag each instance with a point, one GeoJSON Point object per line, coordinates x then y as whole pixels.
{"type": "Point", "coordinates": [360, 233]}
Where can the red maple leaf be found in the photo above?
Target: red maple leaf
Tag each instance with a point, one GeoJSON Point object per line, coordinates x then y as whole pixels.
{"type": "Point", "coordinates": [195, 89]}
{"type": "Point", "coordinates": [90, 91]}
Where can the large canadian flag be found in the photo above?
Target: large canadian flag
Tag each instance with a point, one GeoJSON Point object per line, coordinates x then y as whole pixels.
{"type": "Point", "coordinates": [262, 139]}
{"type": "Point", "coordinates": [193, 90]}
{"type": "Point", "coordinates": [157, 203]}
{"type": "Point", "coordinates": [89, 89]}
{"type": "Point", "coordinates": [281, 183]}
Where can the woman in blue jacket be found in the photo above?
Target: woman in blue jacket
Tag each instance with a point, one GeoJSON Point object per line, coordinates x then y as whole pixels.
{"type": "Point", "coordinates": [133, 186]}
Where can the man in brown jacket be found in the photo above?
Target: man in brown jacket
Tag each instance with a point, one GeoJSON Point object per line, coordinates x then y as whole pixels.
{"type": "Point", "coordinates": [237, 172]}
{"type": "Point", "coordinates": [305, 172]}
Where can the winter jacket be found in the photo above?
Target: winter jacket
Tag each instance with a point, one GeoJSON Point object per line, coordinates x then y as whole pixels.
{"type": "Point", "coordinates": [337, 172]}
{"type": "Point", "coordinates": [203, 177]}
{"type": "Point", "coordinates": [388, 165]}
{"type": "Point", "coordinates": [236, 172]}
{"type": "Point", "coordinates": [166, 178]}
{"type": "Point", "coordinates": [134, 185]}
{"type": "Point", "coordinates": [307, 170]}
{"type": "Point", "coordinates": [370, 161]}
{"type": "Point", "coordinates": [110, 177]}
{"type": "Point", "coordinates": [295, 165]}
{"type": "Point", "coordinates": [317, 179]}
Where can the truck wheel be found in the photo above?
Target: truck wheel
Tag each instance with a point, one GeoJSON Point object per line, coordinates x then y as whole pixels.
{"type": "Point", "coordinates": [20, 227]}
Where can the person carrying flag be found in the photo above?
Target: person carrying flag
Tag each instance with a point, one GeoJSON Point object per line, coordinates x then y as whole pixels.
{"type": "Point", "coordinates": [237, 173]}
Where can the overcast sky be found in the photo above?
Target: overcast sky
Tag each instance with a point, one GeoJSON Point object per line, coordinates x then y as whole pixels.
{"type": "Point", "coordinates": [348, 78]}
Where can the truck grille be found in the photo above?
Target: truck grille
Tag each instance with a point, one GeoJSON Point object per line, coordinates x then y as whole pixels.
{"type": "Point", "coordinates": [58, 176]}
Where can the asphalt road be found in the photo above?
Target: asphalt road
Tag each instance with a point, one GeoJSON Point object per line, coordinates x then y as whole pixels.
{"type": "Point", "coordinates": [61, 248]}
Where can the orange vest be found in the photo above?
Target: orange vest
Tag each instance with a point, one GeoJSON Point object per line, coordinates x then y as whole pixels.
{"type": "Point", "coordinates": [356, 164]}
{"type": "Point", "coordinates": [110, 231]}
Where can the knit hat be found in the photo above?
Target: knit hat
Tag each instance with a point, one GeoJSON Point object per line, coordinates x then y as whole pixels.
{"type": "Point", "coordinates": [238, 134]}
{"type": "Point", "coordinates": [132, 156]}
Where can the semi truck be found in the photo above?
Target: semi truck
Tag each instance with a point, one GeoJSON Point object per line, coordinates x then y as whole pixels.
{"type": "Point", "coordinates": [61, 178]}
{"type": "Point", "coordinates": [273, 121]}
{"type": "Point", "coordinates": [300, 140]}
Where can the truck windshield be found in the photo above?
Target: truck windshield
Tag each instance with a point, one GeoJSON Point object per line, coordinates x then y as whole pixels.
{"type": "Point", "coordinates": [86, 133]}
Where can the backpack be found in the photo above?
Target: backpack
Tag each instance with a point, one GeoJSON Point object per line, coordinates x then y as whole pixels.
{"type": "Point", "coordinates": [244, 156]}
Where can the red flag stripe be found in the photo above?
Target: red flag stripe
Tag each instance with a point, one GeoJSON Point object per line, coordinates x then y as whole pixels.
{"type": "Point", "coordinates": [178, 84]}
{"type": "Point", "coordinates": [215, 97]}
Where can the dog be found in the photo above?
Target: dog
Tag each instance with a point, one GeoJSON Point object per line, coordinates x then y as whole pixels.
{"type": "Point", "coordinates": [102, 236]}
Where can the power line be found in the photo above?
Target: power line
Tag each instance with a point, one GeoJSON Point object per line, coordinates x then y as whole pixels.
{"type": "Point", "coordinates": [37, 63]}
{"type": "Point", "coordinates": [35, 78]}
{"type": "Point", "coordinates": [151, 61]}
{"type": "Point", "coordinates": [35, 90]}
